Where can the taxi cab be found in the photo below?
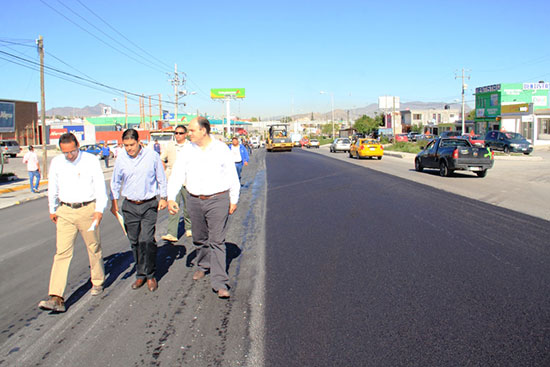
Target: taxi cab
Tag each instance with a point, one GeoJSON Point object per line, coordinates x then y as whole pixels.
{"type": "Point", "coordinates": [366, 148]}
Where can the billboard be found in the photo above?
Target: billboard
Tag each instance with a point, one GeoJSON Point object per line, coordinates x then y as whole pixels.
{"type": "Point", "coordinates": [388, 102]}
{"type": "Point", "coordinates": [76, 130]}
{"type": "Point", "coordinates": [7, 117]}
{"type": "Point", "coordinates": [223, 93]}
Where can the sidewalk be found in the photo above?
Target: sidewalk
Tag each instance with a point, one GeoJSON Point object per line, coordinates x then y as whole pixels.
{"type": "Point", "coordinates": [19, 191]}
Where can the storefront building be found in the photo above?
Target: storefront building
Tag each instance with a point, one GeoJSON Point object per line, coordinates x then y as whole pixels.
{"type": "Point", "coordinates": [516, 107]}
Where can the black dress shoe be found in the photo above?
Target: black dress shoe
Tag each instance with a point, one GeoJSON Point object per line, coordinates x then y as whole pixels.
{"type": "Point", "coordinates": [138, 283]}
{"type": "Point", "coordinates": [152, 284]}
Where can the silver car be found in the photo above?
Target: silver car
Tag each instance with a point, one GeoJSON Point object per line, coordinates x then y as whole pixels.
{"type": "Point", "coordinates": [340, 144]}
{"type": "Point", "coordinates": [10, 147]}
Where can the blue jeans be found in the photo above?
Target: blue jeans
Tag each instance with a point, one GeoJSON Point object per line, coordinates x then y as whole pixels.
{"type": "Point", "coordinates": [32, 176]}
{"type": "Point", "coordinates": [239, 167]}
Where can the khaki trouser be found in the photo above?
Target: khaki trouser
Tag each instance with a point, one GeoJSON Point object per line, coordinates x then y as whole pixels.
{"type": "Point", "coordinates": [69, 222]}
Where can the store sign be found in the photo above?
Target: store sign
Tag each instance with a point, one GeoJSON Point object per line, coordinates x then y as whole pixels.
{"type": "Point", "coordinates": [528, 118]}
{"type": "Point", "coordinates": [536, 86]}
{"type": "Point", "coordinates": [540, 101]}
{"type": "Point", "coordinates": [55, 134]}
{"type": "Point", "coordinates": [480, 112]}
{"type": "Point", "coordinates": [488, 88]}
{"type": "Point", "coordinates": [77, 131]}
{"type": "Point", "coordinates": [7, 117]}
{"type": "Point", "coordinates": [515, 108]}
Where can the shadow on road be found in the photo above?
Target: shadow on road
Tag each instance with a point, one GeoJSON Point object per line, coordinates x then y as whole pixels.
{"type": "Point", "coordinates": [232, 251]}
{"type": "Point", "coordinates": [166, 255]}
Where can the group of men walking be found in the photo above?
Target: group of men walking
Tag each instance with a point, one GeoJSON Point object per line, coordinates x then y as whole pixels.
{"type": "Point", "coordinates": [201, 175]}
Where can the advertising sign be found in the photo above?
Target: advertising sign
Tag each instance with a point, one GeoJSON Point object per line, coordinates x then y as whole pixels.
{"type": "Point", "coordinates": [7, 117]}
{"type": "Point", "coordinates": [535, 86]}
{"type": "Point", "coordinates": [76, 130]}
{"type": "Point", "coordinates": [223, 93]}
{"type": "Point", "coordinates": [56, 133]}
{"type": "Point", "coordinates": [388, 102]}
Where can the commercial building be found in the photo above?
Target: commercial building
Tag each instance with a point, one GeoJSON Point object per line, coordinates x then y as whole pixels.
{"type": "Point", "coordinates": [19, 121]}
{"type": "Point", "coordinates": [515, 107]}
{"type": "Point", "coordinates": [432, 120]}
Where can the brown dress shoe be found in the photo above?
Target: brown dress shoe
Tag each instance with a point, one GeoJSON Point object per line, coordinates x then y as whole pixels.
{"type": "Point", "coordinates": [138, 283]}
{"type": "Point", "coordinates": [152, 284]}
{"type": "Point", "coordinates": [199, 274]}
{"type": "Point", "coordinates": [223, 293]}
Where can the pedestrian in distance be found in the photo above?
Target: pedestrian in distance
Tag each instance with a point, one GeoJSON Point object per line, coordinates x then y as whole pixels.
{"type": "Point", "coordinates": [139, 177]}
{"type": "Point", "coordinates": [169, 156]}
{"type": "Point", "coordinates": [77, 198]}
{"type": "Point", "coordinates": [106, 153]}
{"type": "Point", "coordinates": [240, 155]}
{"type": "Point", "coordinates": [33, 167]}
{"type": "Point", "coordinates": [207, 169]}
{"type": "Point", "coordinates": [156, 147]}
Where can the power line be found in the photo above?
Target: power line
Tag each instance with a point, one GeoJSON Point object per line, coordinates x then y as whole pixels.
{"type": "Point", "coordinates": [99, 39]}
{"type": "Point", "coordinates": [122, 35]}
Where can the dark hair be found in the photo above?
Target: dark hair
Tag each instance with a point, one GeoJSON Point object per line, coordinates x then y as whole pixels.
{"type": "Point", "coordinates": [235, 138]}
{"type": "Point", "coordinates": [130, 134]}
{"type": "Point", "coordinates": [181, 127]}
{"type": "Point", "coordinates": [68, 138]}
{"type": "Point", "coordinates": [30, 147]}
{"type": "Point", "coordinates": [204, 123]}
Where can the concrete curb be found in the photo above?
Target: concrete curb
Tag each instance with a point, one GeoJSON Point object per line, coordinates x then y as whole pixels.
{"type": "Point", "coordinates": [21, 187]}
{"type": "Point", "coordinates": [527, 158]}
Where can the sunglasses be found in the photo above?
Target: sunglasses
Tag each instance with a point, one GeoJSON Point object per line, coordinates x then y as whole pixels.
{"type": "Point", "coordinates": [179, 133]}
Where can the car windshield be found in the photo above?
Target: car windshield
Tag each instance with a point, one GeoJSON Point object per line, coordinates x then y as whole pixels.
{"type": "Point", "coordinates": [342, 141]}
{"type": "Point", "coordinates": [514, 136]}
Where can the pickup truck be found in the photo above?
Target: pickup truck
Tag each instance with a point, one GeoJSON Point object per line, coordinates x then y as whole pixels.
{"type": "Point", "coordinates": [451, 154]}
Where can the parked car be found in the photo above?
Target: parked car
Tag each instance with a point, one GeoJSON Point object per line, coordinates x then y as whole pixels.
{"type": "Point", "coordinates": [412, 136]}
{"type": "Point", "coordinates": [450, 154]}
{"type": "Point", "coordinates": [425, 137]}
{"type": "Point", "coordinates": [401, 137]}
{"type": "Point", "coordinates": [313, 143]}
{"type": "Point", "coordinates": [507, 142]}
{"type": "Point", "coordinates": [449, 134]}
{"type": "Point", "coordinates": [94, 149]}
{"type": "Point", "coordinates": [364, 148]}
{"type": "Point", "coordinates": [10, 147]}
{"type": "Point", "coordinates": [340, 144]}
{"type": "Point", "coordinates": [474, 139]}
{"type": "Point", "coordinates": [255, 142]}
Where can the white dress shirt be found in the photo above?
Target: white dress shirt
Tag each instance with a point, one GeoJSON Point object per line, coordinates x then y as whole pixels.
{"type": "Point", "coordinates": [205, 171]}
{"type": "Point", "coordinates": [76, 182]}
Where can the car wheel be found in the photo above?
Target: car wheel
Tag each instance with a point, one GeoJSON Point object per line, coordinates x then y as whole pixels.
{"type": "Point", "coordinates": [444, 170]}
{"type": "Point", "coordinates": [526, 153]}
{"type": "Point", "coordinates": [357, 155]}
{"type": "Point", "coordinates": [13, 155]}
{"type": "Point", "coordinates": [481, 173]}
{"type": "Point", "coordinates": [380, 157]}
{"type": "Point", "coordinates": [506, 149]}
{"type": "Point", "coordinates": [418, 166]}
{"type": "Point", "coordinates": [350, 155]}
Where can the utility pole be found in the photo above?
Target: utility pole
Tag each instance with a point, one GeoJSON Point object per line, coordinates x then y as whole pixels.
{"type": "Point", "coordinates": [176, 82]}
{"type": "Point", "coordinates": [160, 106]}
{"type": "Point", "coordinates": [125, 111]}
{"type": "Point", "coordinates": [40, 43]}
{"type": "Point", "coordinates": [150, 114]}
{"type": "Point", "coordinates": [464, 87]}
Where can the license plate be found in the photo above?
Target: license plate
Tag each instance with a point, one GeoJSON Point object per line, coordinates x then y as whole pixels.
{"type": "Point", "coordinates": [475, 168]}
{"type": "Point", "coordinates": [372, 148]}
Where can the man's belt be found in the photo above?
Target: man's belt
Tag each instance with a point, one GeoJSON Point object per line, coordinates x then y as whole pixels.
{"type": "Point", "coordinates": [238, 162]}
{"type": "Point", "coordinates": [76, 205]}
{"type": "Point", "coordinates": [139, 202]}
{"type": "Point", "coordinates": [206, 197]}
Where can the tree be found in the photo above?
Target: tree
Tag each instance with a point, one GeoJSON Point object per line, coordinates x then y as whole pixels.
{"type": "Point", "coordinates": [416, 128]}
{"type": "Point", "coordinates": [253, 119]}
{"type": "Point", "coordinates": [366, 124]}
{"type": "Point", "coordinates": [471, 115]}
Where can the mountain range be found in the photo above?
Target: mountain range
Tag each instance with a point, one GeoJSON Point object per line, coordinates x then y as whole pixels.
{"type": "Point", "coordinates": [339, 114]}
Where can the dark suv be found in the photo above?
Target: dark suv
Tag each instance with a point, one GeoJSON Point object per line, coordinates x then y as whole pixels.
{"type": "Point", "coordinates": [507, 142]}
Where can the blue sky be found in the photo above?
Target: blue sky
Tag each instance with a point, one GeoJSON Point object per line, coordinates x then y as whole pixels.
{"type": "Point", "coordinates": [283, 53]}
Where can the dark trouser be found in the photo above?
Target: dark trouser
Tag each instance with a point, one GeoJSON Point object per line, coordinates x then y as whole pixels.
{"type": "Point", "coordinates": [140, 220]}
{"type": "Point", "coordinates": [209, 218]}
{"type": "Point", "coordinates": [174, 220]}
{"type": "Point", "coordinates": [106, 159]}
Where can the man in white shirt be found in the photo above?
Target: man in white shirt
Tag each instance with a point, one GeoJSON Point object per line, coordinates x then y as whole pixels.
{"type": "Point", "coordinates": [33, 167]}
{"type": "Point", "coordinates": [168, 157]}
{"type": "Point", "coordinates": [77, 198]}
{"type": "Point", "coordinates": [207, 169]}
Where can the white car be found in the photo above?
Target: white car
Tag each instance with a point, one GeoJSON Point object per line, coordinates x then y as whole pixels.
{"type": "Point", "coordinates": [313, 143]}
{"type": "Point", "coordinates": [340, 144]}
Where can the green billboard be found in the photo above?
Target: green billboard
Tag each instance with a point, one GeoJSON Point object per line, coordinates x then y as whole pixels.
{"type": "Point", "coordinates": [223, 93]}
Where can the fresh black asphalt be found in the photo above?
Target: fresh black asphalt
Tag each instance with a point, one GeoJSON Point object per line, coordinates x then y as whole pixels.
{"type": "Point", "coordinates": [367, 269]}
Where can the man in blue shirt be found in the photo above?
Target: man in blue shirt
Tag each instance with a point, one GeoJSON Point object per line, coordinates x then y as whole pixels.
{"type": "Point", "coordinates": [139, 177]}
{"type": "Point", "coordinates": [106, 152]}
{"type": "Point", "coordinates": [240, 155]}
